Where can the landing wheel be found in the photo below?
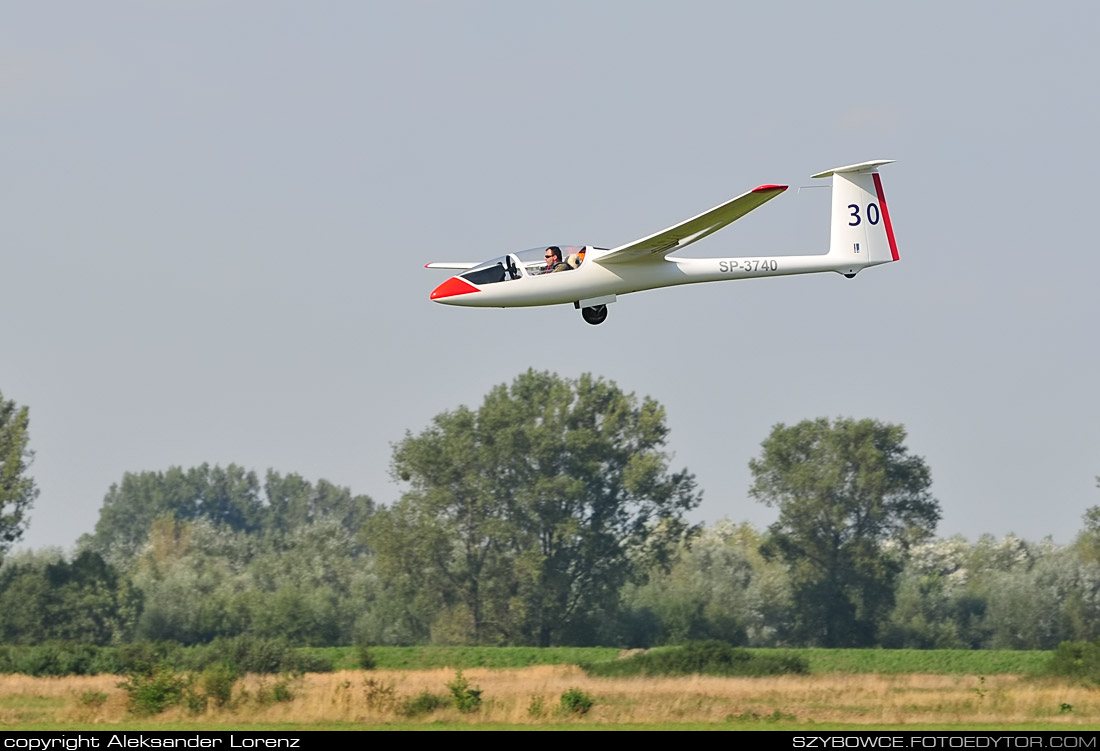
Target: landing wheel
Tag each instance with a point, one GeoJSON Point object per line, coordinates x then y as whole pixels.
{"type": "Point", "coordinates": [594, 315]}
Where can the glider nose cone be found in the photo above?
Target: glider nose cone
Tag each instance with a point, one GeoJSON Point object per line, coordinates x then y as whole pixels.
{"type": "Point", "coordinates": [451, 288]}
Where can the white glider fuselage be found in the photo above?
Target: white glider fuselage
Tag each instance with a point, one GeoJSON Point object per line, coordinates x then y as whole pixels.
{"type": "Point", "coordinates": [593, 280]}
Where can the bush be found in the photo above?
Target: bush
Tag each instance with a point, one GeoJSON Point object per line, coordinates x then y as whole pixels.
{"type": "Point", "coordinates": [56, 659]}
{"type": "Point", "coordinates": [39, 661]}
{"type": "Point", "coordinates": [706, 658]}
{"type": "Point", "coordinates": [576, 702]}
{"type": "Point", "coordinates": [466, 699]}
{"type": "Point", "coordinates": [243, 654]}
{"type": "Point", "coordinates": [535, 707]}
{"type": "Point", "coordinates": [1077, 659]}
{"type": "Point", "coordinates": [250, 654]}
{"type": "Point", "coordinates": [422, 704]}
{"type": "Point", "coordinates": [94, 699]}
{"type": "Point", "coordinates": [365, 658]}
{"type": "Point", "coordinates": [140, 657]}
{"type": "Point", "coordinates": [153, 692]}
{"type": "Point", "coordinates": [284, 689]}
{"type": "Point", "coordinates": [217, 683]}
{"type": "Point", "coordinates": [379, 695]}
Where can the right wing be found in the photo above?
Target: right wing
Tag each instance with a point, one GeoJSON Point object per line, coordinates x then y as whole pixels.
{"type": "Point", "coordinates": [449, 265]}
{"type": "Point", "coordinates": [690, 230]}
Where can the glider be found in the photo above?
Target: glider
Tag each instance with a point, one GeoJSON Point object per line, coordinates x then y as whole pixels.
{"type": "Point", "coordinates": [591, 278]}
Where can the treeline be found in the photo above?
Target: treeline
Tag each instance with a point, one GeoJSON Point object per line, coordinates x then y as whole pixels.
{"type": "Point", "coordinates": [192, 555]}
{"type": "Point", "coordinates": [316, 583]}
{"type": "Point", "coordinates": [993, 593]}
{"type": "Point", "coordinates": [549, 515]}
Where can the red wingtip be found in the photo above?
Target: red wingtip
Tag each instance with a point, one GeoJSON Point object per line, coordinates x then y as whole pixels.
{"type": "Point", "coordinates": [767, 188]}
{"type": "Point", "coordinates": [453, 286]}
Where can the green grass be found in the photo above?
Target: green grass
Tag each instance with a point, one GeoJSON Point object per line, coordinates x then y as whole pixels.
{"type": "Point", "coordinates": [892, 661]}
{"type": "Point", "coordinates": [940, 661]}
{"type": "Point", "coordinates": [424, 658]}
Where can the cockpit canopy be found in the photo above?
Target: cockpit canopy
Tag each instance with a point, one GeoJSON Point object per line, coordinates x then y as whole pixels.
{"type": "Point", "coordinates": [530, 262]}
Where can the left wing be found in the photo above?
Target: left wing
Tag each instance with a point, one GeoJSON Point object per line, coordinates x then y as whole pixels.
{"type": "Point", "coordinates": [459, 266]}
{"type": "Point", "coordinates": [696, 228]}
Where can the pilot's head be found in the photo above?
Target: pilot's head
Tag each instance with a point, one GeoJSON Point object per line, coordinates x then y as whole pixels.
{"type": "Point", "coordinates": [553, 255]}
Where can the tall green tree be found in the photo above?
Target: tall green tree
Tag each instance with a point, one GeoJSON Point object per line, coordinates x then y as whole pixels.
{"type": "Point", "coordinates": [17, 490]}
{"type": "Point", "coordinates": [229, 497]}
{"type": "Point", "coordinates": [293, 503]}
{"type": "Point", "coordinates": [1088, 539]}
{"type": "Point", "coordinates": [719, 587]}
{"type": "Point", "coordinates": [524, 517]}
{"type": "Point", "coordinates": [44, 597]}
{"type": "Point", "coordinates": [851, 500]}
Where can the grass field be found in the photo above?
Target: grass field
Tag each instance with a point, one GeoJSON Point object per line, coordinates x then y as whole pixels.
{"type": "Point", "coordinates": [890, 661]}
{"type": "Point", "coordinates": [425, 658]}
{"type": "Point", "coordinates": [529, 697]}
{"type": "Point", "coordinates": [939, 661]}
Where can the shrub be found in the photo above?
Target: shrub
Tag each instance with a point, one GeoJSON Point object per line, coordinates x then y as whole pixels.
{"type": "Point", "coordinates": [424, 703]}
{"type": "Point", "coordinates": [38, 661]}
{"type": "Point", "coordinates": [93, 699]}
{"type": "Point", "coordinates": [535, 707]}
{"type": "Point", "coordinates": [153, 692]}
{"type": "Point", "coordinates": [576, 702]}
{"type": "Point", "coordinates": [217, 682]}
{"type": "Point", "coordinates": [466, 699]}
{"type": "Point", "coordinates": [56, 659]}
{"type": "Point", "coordinates": [1077, 659]}
{"type": "Point", "coordinates": [243, 653]}
{"type": "Point", "coordinates": [194, 700]}
{"type": "Point", "coordinates": [284, 689]}
{"type": "Point", "coordinates": [365, 658]}
{"type": "Point", "coordinates": [707, 658]}
{"type": "Point", "coordinates": [379, 696]}
{"type": "Point", "coordinates": [250, 654]}
{"type": "Point", "coordinates": [140, 657]}
{"type": "Point", "coordinates": [306, 662]}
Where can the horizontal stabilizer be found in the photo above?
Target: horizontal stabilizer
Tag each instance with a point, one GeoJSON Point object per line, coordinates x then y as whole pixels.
{"type": "Point", "coordinates": [861, 167]}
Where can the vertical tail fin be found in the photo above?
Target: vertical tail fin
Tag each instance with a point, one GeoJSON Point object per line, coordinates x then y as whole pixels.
{"type": "Point", "coordinates": [861, 233]}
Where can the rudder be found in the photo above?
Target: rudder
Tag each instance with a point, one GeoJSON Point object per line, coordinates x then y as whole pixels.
{"type": "Point", "coordinates": [861, 233]}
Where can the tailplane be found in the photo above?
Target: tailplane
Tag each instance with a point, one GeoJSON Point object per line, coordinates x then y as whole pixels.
{"type": "Point", "coordinates": [861, 233]}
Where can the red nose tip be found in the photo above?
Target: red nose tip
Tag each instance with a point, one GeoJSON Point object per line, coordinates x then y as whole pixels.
{"type": "Point", "coordinates": [453, 286]}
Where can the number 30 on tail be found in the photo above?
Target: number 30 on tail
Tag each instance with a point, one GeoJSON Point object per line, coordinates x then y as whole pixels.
{"type": "Point", "coordinates": [591, 277]}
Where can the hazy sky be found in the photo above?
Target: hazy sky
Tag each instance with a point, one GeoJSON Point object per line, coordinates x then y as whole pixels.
{"type": "Point", "coordinates": [214, 218]}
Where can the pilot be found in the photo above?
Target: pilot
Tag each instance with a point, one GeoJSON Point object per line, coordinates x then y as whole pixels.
{"type": "Point", "coordinates": [553, 260]}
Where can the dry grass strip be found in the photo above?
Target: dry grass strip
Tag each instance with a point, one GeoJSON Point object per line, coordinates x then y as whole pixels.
{"type": "Point", "coordinates": [532, 695]}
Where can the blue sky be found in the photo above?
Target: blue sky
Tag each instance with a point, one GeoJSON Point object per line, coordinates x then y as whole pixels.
{"type": "Point", "coordinates": [215, 218]}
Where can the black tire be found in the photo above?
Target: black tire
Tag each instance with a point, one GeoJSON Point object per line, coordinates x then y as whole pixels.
{"type": "Point", "coordinates": [595, 315]}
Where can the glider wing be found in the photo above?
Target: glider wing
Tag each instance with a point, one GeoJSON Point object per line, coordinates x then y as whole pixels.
{"type": "Point", "coordinates": [686, 232]}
